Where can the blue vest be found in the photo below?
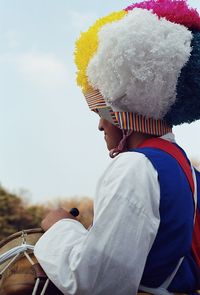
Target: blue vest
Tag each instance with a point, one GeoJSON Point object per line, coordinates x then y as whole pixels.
{"type": "Point", "coordinates": [174, 237]}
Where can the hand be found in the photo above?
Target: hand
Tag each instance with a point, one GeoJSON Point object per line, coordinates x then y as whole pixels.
{"type": "Point", "coordinates": [54, 216]}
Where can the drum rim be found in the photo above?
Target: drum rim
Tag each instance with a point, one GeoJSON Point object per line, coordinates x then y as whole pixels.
{"type": "Point", "coordinates": [19, 233]}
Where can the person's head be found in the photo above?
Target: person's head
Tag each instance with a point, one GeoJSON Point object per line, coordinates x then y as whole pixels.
{"type": "Point", "coordinates": [138, 67]}
{"type": "Point", "coordinates": [112, 134]}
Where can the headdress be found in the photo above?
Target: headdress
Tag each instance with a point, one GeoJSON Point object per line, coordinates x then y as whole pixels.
{"type": "Point", "coordinates": [139, 68]}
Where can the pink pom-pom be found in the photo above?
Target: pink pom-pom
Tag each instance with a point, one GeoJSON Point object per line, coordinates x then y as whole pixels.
{"type": "Point", "coordinates": [176, 11]}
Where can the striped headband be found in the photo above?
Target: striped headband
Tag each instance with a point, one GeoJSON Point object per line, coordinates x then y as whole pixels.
{"type": "Point", "coordinates": [125, 120]}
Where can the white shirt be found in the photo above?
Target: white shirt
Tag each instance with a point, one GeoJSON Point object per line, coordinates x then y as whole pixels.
{"type": "Point", "coordinates": [110, 257]}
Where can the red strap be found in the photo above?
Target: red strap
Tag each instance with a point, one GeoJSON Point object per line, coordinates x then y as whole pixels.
{"type": "Point", "coordinates": [175, 152]}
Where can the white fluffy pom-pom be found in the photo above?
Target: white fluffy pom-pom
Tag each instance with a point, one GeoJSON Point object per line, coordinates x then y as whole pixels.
{"type": "Point", "coordinates": [138, 62]}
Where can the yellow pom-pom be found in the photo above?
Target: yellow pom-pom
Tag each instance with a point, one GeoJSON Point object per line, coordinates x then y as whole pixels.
{"type": "Point", "coordinates": [87, 44]}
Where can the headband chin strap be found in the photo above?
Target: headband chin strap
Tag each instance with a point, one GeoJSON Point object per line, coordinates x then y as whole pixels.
{"type": "Point", "coordinates": [122, 146]}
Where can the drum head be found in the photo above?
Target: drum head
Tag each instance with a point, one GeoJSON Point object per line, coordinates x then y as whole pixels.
{"type": "Point", "coordinates": [18, 277]}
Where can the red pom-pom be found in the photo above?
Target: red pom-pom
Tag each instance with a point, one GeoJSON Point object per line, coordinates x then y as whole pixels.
{"type": "Point", "coordinates": [176, 11]}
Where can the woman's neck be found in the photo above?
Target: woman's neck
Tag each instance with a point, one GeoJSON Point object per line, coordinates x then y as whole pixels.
{"type": "Point", "coordinates": [136, 138]}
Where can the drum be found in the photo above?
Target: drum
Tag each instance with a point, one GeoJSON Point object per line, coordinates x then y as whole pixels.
{"type": "Point", "coordinates": [20, 273]}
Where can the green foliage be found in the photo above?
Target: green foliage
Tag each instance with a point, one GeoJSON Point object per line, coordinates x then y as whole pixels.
{"type": "Point", "coordinates": [15, 215]}
{"type": "Point", "coordinates": [196, 163]}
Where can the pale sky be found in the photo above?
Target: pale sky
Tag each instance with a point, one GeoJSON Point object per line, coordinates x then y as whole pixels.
{"type": "Point", "coordinates": [49, 143]}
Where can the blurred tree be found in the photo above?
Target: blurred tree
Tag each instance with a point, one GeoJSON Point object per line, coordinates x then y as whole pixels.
{"type": "Point", "coordinates": [17, 214]}
{"type": "Point", "coordinates": [10, 213]}
{"type": "Point", "coordinates": [36, 213]}
{"type": "Point", "coordinates": [196, 163]}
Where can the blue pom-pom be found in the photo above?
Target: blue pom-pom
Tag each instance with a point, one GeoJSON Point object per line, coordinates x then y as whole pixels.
{"type": "Point", "coordinates": [186, 109]}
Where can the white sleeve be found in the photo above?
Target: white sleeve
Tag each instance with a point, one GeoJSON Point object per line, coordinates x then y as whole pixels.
{"type": "Point", "coordinates": [110, 257]}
